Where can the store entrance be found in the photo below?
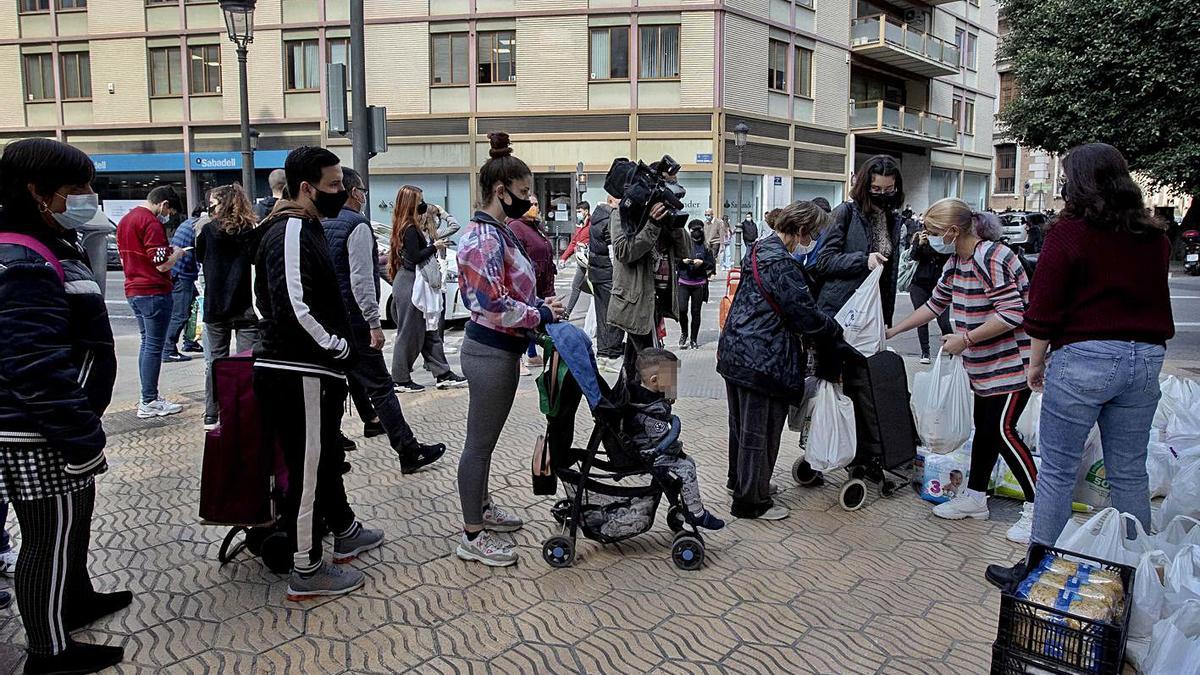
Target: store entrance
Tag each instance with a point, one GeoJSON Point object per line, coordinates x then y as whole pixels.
{"type": "Point", "coordinates": [552, 190]}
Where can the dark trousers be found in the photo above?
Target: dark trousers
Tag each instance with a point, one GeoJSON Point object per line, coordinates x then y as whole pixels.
{"type": "Point", "coordinates": [755, 427]}
{"type": "Point", "coordinates": [919, 297]}
{"type": "Point", "coordinates": [374, 396]}
{"type": "Point", "coordinates": [691, 300]}
{"type": "Point", "coordinates": [996, 436]}
{"type": "Point", "coordinates": [52, 577]}
{"type": "Point", "coordinates": [304, 412]}
{"type": "Point", "coordinates": [183, 295]}
{"type": "Point", "coordinates": [609, 338]}
{"type": "Point", "coordinates": [4, 541]}
{"type": "Point", "coordinates": [578, 286]}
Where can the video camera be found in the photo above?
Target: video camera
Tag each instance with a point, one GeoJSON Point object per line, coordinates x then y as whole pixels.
{"type": "Point", "coordinates": [640, 187]}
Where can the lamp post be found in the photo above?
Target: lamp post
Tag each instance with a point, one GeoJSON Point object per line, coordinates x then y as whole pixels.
{"type": "Point", "coordinates": [740, 132]}
{"type": "Point", "coordinates": [239, 21]}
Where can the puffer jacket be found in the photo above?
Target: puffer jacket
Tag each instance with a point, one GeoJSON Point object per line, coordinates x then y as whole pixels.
{"type": "Point", "coordinates": [57, 362]}
{"type": "Point", "coordinates": [841, 266]}
{"type": "Point", "coordinates": [632, 305]}
{"type": "Point", "coordinates": [761, 348]}
{"type": "Point", "coordinates": [599, 239]}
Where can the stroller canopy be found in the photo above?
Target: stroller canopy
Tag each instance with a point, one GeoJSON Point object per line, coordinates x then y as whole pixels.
{"type": "Point", "coordinates": [575, 348]}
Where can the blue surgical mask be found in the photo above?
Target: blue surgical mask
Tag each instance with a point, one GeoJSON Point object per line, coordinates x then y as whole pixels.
{"type": "Point", "coordinates": [80, 211]}
{"type": "Point", "coordinates": [940, 244]}
{"type": "Point", "coordinates": [805, 249]}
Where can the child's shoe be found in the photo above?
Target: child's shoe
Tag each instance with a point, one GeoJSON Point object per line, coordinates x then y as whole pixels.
{"type": "Point", "coordinates": [706, 520]}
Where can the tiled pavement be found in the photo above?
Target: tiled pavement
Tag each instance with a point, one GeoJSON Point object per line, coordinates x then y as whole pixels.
{"type": "Point", "coordinates": [887, 589]}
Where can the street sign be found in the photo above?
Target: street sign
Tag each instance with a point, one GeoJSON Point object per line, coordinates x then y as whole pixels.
{"type": "Point", "coordinates": [778, 180]}
{"type": "Point", "coordinates": [704, 158]}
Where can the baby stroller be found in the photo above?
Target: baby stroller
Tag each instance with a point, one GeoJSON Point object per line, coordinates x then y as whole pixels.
{"type": "Point", "coordinates": [601, 499]}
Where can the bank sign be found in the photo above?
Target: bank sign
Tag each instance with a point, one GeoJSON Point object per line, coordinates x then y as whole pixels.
{"type": "Point", "coordinates": [178, 161]}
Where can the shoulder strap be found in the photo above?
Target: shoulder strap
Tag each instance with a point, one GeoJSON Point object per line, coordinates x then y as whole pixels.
{"type": "Point", "coordinates": [37, 247]}
{"type": "Point", "coordinates": [758, 280]}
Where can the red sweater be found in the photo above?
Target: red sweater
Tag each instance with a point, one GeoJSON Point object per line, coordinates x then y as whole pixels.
{"type": "Point", "coordinates": [142, 243]}
{"type": "Point", "coordinates": [1093, 284]}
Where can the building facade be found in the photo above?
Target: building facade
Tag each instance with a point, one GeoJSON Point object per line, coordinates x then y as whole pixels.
{"type": "Point", "coordinates": [149, 88]}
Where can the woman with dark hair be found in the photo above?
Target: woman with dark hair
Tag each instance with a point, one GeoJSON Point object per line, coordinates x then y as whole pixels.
{"type": "Point", "coordinates": [223, 249]}
{"type": "Point", "coordinates": [57, 368]}
{"type": "Point", "coordinates": [925, 278]}
{"type": "Point", "coordinates": [694, 272]}
{"type": "Point", "coordinates": [1101, 306]}
{"type": "Point", "coordinates": [540, 251]}
{"type": "Point", "coordinates": [410, 249]}
{"type": "Point", "coordinates": [864, 234]}
{"type": "Point", "coordinates": [499, 287]}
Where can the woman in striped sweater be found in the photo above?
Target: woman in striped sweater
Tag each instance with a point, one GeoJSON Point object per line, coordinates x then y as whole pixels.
{"type": "Point", "coordinates": [986, 290]}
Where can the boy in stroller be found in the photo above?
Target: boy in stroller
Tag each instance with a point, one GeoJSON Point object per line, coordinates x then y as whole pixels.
{"type": "Point", "coordinates": [654, 431]}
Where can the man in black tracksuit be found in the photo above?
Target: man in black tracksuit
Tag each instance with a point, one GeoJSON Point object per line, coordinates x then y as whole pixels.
{"type": "Point", "coordinates": [300, 368]}
{"type": "Point", "coordinates": [609, 339]}
{"type": "Point", "coordinates": [355, 258]}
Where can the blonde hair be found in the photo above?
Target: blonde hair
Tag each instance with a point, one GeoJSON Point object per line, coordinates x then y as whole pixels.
{"type": "Point", "coordinates": [951, 212]}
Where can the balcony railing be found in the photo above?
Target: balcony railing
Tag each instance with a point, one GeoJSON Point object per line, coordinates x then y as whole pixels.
{"type": "Point", "coordinates": [890, 120]}
{"type": "Point", "coordinates": [929, 55]}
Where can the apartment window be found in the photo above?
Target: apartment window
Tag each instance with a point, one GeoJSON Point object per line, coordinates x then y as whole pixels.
{"type": "Point", "coordinates": [871, 86]}
{"type": "Point", "coordinates": [777, 66]}
{"type": "Point", "coordinates": [964, 114]}
{"type": "Point", "coordinates": [1008, 89]}
{"type": "Point", "coordinates": [451, 58]}
{"type": "Point", "coordinates": [35, 6]}
{"type": "Point", "coordinates": [206, 69]}
{"type": "Point", "coordinates": [39, 77]}
{"type": "Point", "coordinates": [658, 52]}
{"type": "Point", "coordinates": [804, 72]}
{"type": "Point", "coordinates": [610, 53]}
{"type": "Point", "coordinates": [166, 76]}
{"type": "Point", "coordinates": [303, 66]}
{"type": "Point", "coordinates": [1006, 169]}
{"type": "Point", "coordinates": [497, 54]}
{"type": "Point", "coordinates": [72, 4]}
{"type": "Point", "coordinates": [968, 48]}
{"type": "Point", "coordinates": [76, 76]}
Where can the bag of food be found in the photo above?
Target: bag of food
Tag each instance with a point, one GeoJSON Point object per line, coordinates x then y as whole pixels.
{"type": "Point", "coordinates": [1103, 537]}
{"type": "Point", "coordinates": [943, 405]}
{"type": "Point", "coordinates": [1179, 532]}
{"type": "Point", "coordinates": [1027, 423]}
{"type": "Point", "coordinates": [1175, 643]}
{"type": "Point", "coordinates": [1149, 594]}
{"type": "Point", "coordinates": [862, 316]}
{"type": "Point", "coordinates": [832, 439]}
{"type": "Point", "coordinates": [1182, 581]}
{"type": "Point", "coordinates": [589, 322]}
{"type": "Point", "coordinates": [942, 476]}
{"type": "Point", "coordinates": [1091, 484]}
{"type": "Point", "coordinates": [1160, 465]}
{"type": "Point", "coordinates": [1184, 499]}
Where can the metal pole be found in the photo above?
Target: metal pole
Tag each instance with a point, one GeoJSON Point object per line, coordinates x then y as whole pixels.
{"type": "Point", "coordinates": [738, 229]}
{"type": "Point", "coordinates": [247, 153]}
{"type": "Point", "coordinates": [360, 130]}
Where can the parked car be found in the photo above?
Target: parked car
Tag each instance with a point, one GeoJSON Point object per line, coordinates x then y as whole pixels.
{"type": "Point", "coordinates": [456, 311]}
{"type": "Point", "coordinates": [113, 254]}
{"type": "Point", "coordinates": [1024, 228]}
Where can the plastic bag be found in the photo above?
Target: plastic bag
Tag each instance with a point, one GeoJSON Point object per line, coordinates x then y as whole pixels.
{"type": "Point", "coordinates": [1179, 532]}
{"type": "Point", "coordinates": [589, 322]}
{"type": "Point", "coordinates": [1182, 580]}
{"type": "Point", "coordinates": [1103, 537]}
{"type": "Point", "coordinates": [832, 440]}
{"type": "Point", "coordinates": [1027, 423]}
{"type": "Point", "coordinates": [1175, 643]}
{"type": "Point", "coordinates": [862, 316]}
{"type": "Point", "coordinates": [1183, 429]}
{"type": "Point", "coordinates": [1184, 499]}
{"type": "Point", "coordinates": [1091, 484]}
{"type": "Point", "coordinates": [1149, 595]}
{"type": "Point", "coordinates": [943, 405]}
{"type": "Point", "coordinates": [1160, 465]}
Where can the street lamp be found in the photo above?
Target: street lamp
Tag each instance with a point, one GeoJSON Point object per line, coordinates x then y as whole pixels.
{"type": "Point", "coordinates": [239, 21]}
{"type": "Point", "coordinates": [740, 132]}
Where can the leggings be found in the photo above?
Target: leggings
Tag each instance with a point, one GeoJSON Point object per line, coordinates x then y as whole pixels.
{"type": "Point", "coordinates": [692, 296]}
{"type": "Point", "coordinates": [52, 576]}
{"type": "Point", "coordinates": [492, 376]}
{"type": "Point", "coordinates": [919, 297]}
{"type": "Point", "coordinates": [996, 436]}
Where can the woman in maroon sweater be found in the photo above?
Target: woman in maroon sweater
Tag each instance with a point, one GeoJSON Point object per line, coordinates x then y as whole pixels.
{"type": "Point", "coordinates": [1100, 303]}
{"type": "Point", "coordinates": [540, 251]}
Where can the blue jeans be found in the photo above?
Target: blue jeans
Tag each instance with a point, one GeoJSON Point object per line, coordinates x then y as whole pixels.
{"type": "Point", "coordinates": [183, 294]}
{"type": "Point", "coordinates": [1111, 383]}
{"type": "Point", "coordinates": [153, 314]}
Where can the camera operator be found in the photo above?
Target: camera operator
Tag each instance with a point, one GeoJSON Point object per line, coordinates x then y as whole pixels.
{"type": "Point", "coordinates": [610, 342]}
{"type": "Point", "coordinates": [644, 268]}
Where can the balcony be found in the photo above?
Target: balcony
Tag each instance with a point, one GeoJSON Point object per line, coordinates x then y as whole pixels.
{"type": "Point", "coordinates": [884, 121]}
{"type": "Point", "coordinates": [889, 41]}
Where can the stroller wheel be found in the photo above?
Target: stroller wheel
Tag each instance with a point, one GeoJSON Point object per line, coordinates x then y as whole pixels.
{"type": "Point", "coordinates": [887, 489]}
{"type": "Point", "coordinates": [675, 519]}
{"type": "Point", "coordinates": [276, 553]}
{"type": "Point", "coordinates": [560, 510]}
{"type": "Point", "coordinates": [688, 552]}
{"type": "Point", "coordinates": [854, 494]}
{"type": "Point", "coordinates": [558, 551]}
{"type": "Point", "coordinates": [805, 475]}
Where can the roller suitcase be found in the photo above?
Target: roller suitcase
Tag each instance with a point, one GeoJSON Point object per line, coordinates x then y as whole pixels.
{"type": "Point", "coordinates": [878, 387]}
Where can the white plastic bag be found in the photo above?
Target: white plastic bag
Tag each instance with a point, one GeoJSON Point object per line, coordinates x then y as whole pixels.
{"type": "Point", "coordinates": [1027, 423]}
{"type": "Point", "coordinates": [1175, 643]}
{"type": "Point", "coordinates": [832, 440]}
{"type": "Point", "coordinates": [1149, 595]}
{"type": "Point", "coordinates": [1184, 499]}
{"type": "Point", "coordinates": [943, 405]}
{"type": "Point", "coordinates": [1091, 484]}
{"type": "Point", "coordinates": [1179, 532]}
{"type": "Point", "coordinates": [589, 323]}
{"type": "Point", "coordinates": [1182, 582]}
{"type": "Point", "coordinates": [1161, 466]}
{"type": "Point", "coordinates": [1103, 537]}
{"type": "Point", "coordinates": [862, 316]}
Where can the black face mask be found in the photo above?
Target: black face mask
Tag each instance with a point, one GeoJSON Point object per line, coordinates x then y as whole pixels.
{"type": "Point", "coordinates": [422, 208]}
{"type": "Point", "coordinates": [698, 235]}
{"type": "Point", "coordinates": [329, 204]}
{"type": "Point", "coordinates": [883, 201]}
{"type": "Point", "coordinates": [518, 207]}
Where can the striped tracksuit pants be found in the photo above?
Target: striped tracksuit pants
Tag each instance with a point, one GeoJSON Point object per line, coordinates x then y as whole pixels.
{"type": "Point", "coordinates": [996, 436]}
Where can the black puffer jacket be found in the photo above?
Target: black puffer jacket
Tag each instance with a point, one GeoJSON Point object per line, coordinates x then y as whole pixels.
{"type": "Point", "coordinates": [841, 264]}
{"type": "Point", "coordinates": [599, 239]}
{"type": "Point", "coordinates": [57, 363]}
{"type": "Point", "coordinates": [761, 348]}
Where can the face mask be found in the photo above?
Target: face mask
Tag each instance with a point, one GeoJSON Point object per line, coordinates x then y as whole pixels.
{"type": "Point", "coordinates": [422, 208]}
{"type": "Point", "coordinates": [518, 207]}
{"type": "Point", "coordinates": [940, 244]}
{"type": "Point", "coordinates": [580, 217]}
{"type": "Point", "coordinates": [164, 219]}
{"type": "Point", "coordinates": [698, 235]}
{"type": "Point", "coordinates": [707, 218]}
{"type": "Point", "coordinates": [883, 201]}
{"type": "Point", "coordinates": [805, 249]}
{"type": "Point", "coordinates": [80, 211]}
{"type": "Point", "coordinates": [329, 204]}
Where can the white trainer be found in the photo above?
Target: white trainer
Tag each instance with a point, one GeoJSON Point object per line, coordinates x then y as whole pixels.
{"type": "Point", "coordinates": [488, 549]}
{"type": "Point", "coordinates": [776, 512]}
{"type": "Point", "coordinates": [1020, 531]}
{"type": "Point", "coordinates": [968, 504]}
{"type": "Point", "coordinates": [8, 561]}
{"type": "Point", "coordinates": [498, 519]}
{"type": "Point", "coordinates": [159, 408]}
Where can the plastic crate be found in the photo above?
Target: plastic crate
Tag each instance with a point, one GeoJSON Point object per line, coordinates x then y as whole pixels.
{"type": "Point", "coordinates": [1032, 639]}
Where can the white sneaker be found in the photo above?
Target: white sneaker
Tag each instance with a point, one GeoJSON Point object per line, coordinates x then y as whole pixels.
{"type": "Point", "coordinates": [159, 408]}
{"type": "Point", "coordinates": [488, 549]}
{"type": "Point", "coordinates": [498, 519]}
{"type": "Point", "coordinates": [8, 561]}
{"type": "Point", "coordinates": [1020, 531]}
{"type": "Point", "coordinates": [968, 504]}
{"type": "Point", "coordinates": [925, 361]}
{"type": "Point", "coordinates": [776, 512]}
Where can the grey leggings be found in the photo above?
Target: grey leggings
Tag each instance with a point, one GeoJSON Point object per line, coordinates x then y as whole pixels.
{"type": "Point", "coordinates": [412, 336]}
{"type": "Point", "coordinates": [492, 376]}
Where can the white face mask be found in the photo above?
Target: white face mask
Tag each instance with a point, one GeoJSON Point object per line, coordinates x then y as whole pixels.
{"type": "Point", "coordinates": [80, 211]}
{"type": "Point", "coordinates": [805, 249]}
{"type": "Point", "coordinates": [939, 244]}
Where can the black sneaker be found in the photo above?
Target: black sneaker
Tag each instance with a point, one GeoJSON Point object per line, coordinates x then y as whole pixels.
{"type": "Point", "coordinates": [96, 607]}
{"type": "Point", "coordinates": [409, 387]}
{"type": "Point", "coordinates": [176, 358]}
{"type": "Point", "coordinates": [373, 429]}
{"type": "Point", "coordinates": [415, 458]}
{"type": "Point", "coordinates": [211, 422]}
{"type": "Point", "coordinates": [683, 343]}
{"type": "Point", "coordinates": [347, 444]}
{"type": "Point", "coordinates": [78, 657]}
{"type": "Point", "coordinates": [345, 468]}
{"type": "Point", "coordinates": [1005, 578]}
{"type": "Point", "coordinates": [193, 347]}
{"type": "Point", "coordinates": [451, 381]}
{"type": "Point", "coordinates": [694, 345]}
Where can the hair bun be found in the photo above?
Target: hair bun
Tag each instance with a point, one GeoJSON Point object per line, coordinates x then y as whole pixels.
{"type": "Point", "coordinates": [501, 146]}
